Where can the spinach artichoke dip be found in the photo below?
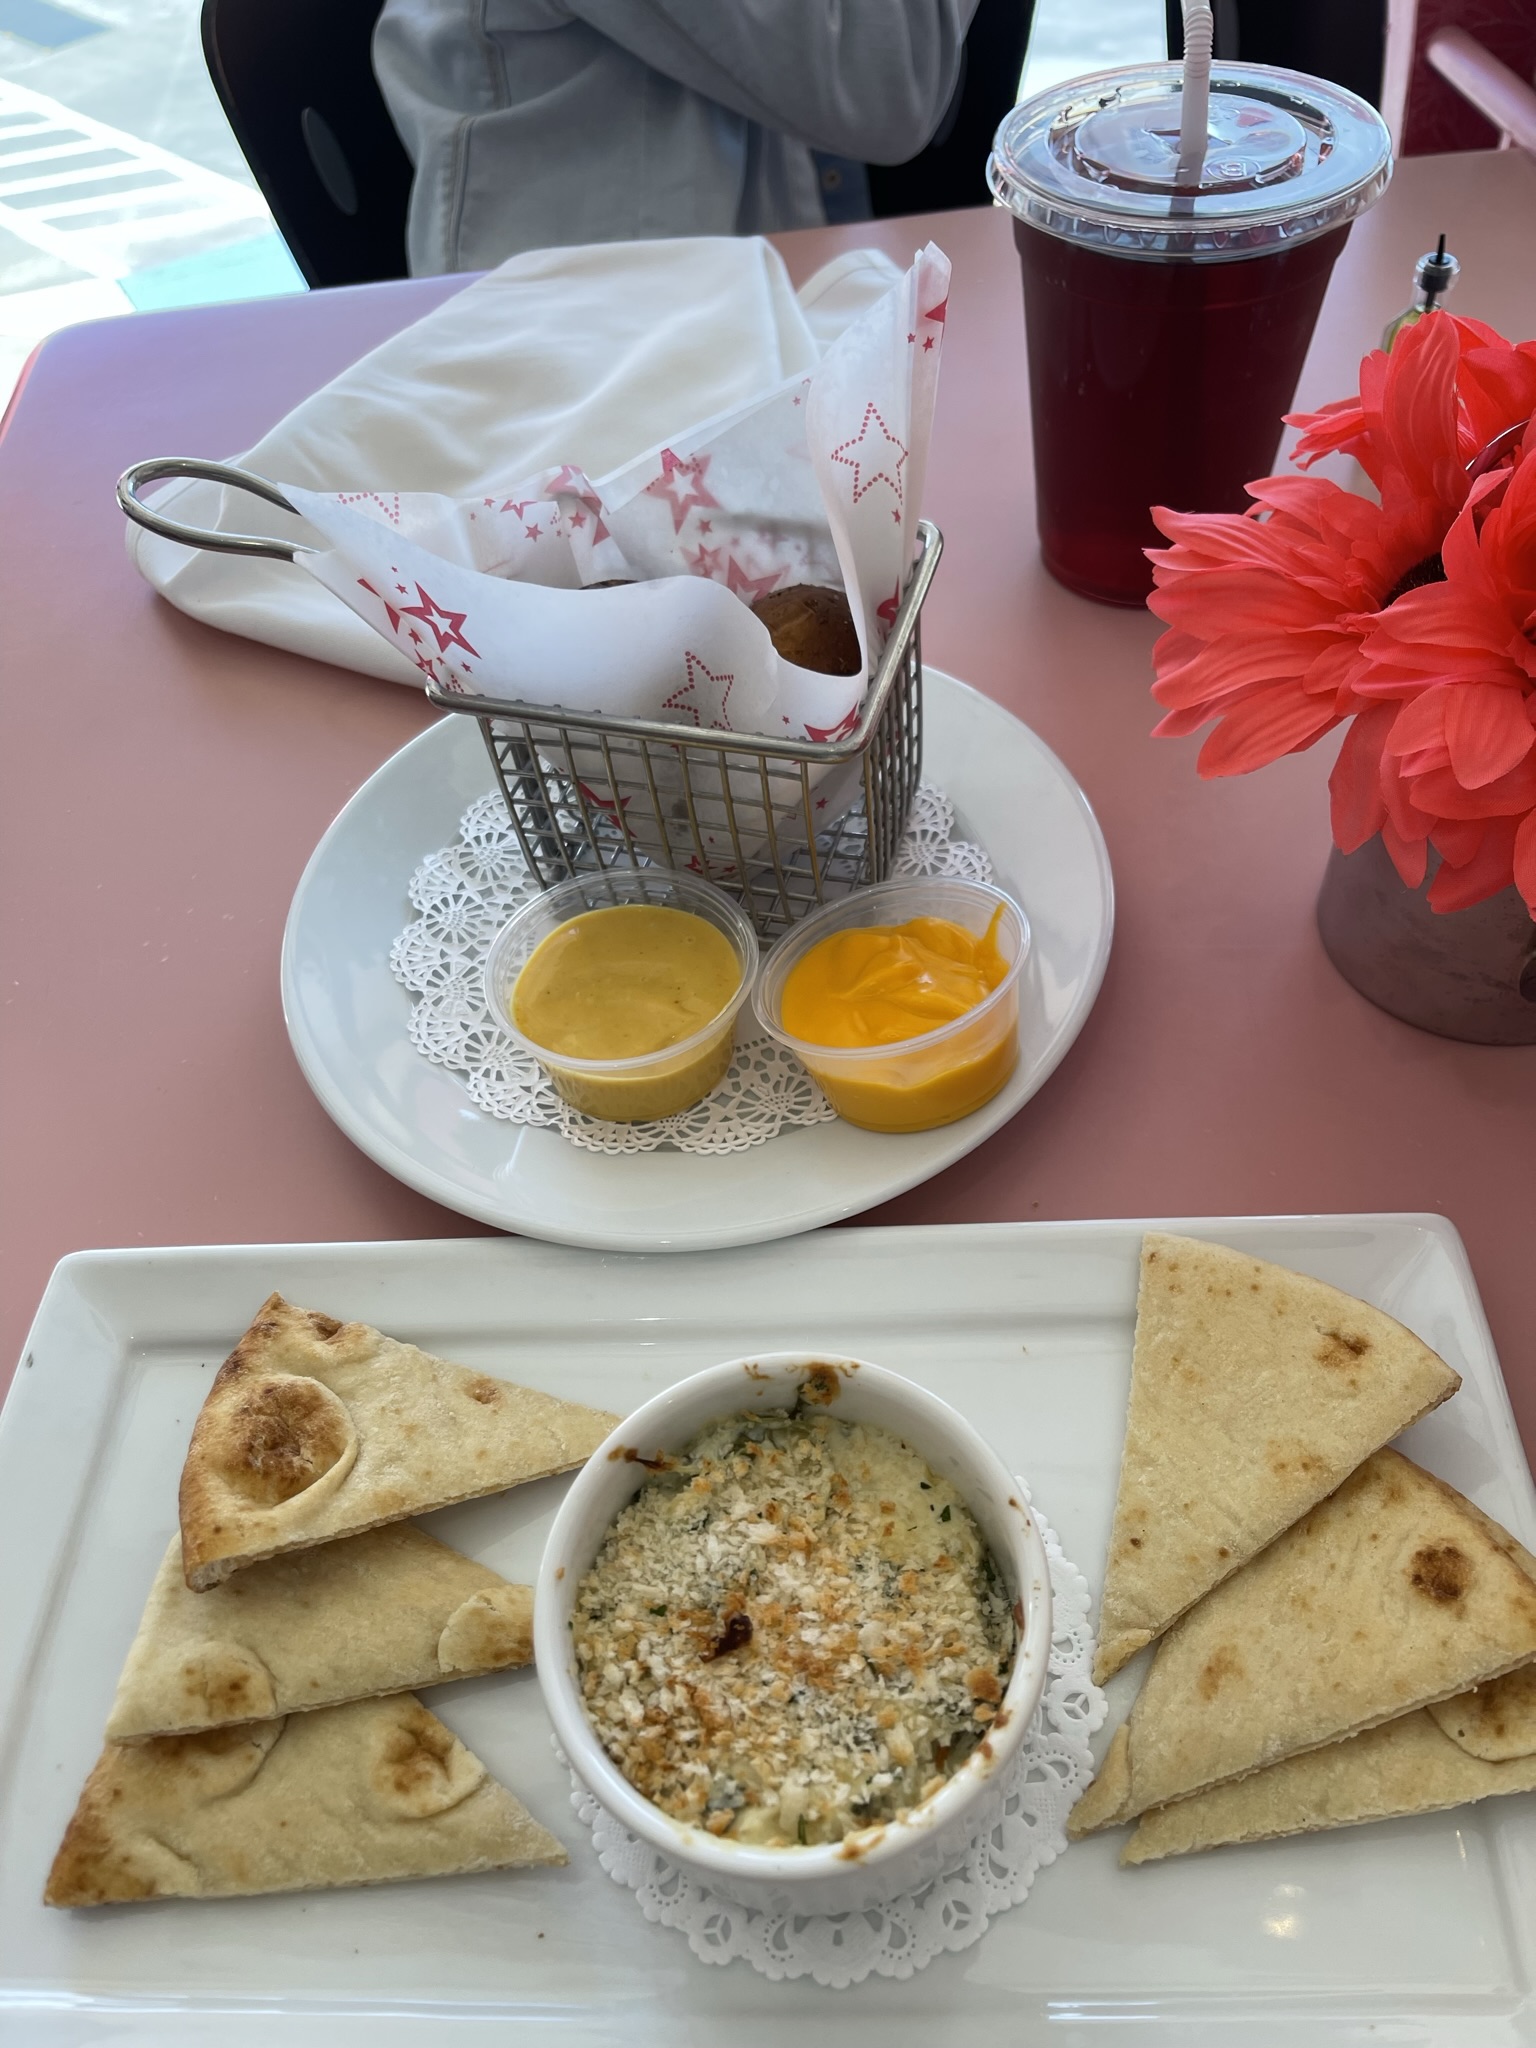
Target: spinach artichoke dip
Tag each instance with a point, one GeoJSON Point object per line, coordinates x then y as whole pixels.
{"type": "Point", "coordinates": [794, 1632]}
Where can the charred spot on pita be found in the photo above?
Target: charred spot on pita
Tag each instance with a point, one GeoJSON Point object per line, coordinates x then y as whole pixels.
{"type": "Point", "coordinates": [280, 1437]}
{"type": "Point", "coordinates": [1341, 1348]}
{"type": "Point", "coordinates": [1441, 1572]}
{"type": "Point", "coordinates": [1222, 1664]}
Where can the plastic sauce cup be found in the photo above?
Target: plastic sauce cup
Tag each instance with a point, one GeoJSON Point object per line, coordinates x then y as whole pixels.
{"type": "Point", "coordinates": [919, 1083]}
{"type": "Point", "coordinates": [647, 1085]}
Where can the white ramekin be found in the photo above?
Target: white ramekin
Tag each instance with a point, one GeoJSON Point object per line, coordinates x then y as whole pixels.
{"type": "Point", "coordinates": [880, 1863]}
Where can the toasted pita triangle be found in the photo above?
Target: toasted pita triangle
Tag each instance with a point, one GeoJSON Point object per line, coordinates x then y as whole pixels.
{"type": "Point", "coordinates": [1496, 1721]}
{"type": "Point", "coordinates": [388, 1611]}
{"type": "Point", "coordinates": [1403, 1767]}
{"type": "Point", "coordinates": [1389, 1595]}
{"type": "Point", "coordinates": [361, 1794]}
{"type": "Point", "coordinates": [315, 1429]}
{"type": "Point", "coordinates": [1254, 1393]}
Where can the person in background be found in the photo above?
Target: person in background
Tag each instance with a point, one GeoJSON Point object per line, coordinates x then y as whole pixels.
{"type": "Point", "coordinates": [535, 123]}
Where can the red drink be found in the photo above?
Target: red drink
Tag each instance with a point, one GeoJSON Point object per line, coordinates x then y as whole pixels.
{"type": "Point", "coordinates": [1169, 300]}
{"type": "Point", "coordinates": [1155, 384]}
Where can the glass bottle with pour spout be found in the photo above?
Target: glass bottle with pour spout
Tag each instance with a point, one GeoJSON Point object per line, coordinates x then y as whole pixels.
{"type": "Point", "coordinates": [1434, 275]}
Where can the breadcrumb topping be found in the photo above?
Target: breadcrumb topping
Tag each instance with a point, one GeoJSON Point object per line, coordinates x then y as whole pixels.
{"type": "Point", "coordinates": [794, 1633]}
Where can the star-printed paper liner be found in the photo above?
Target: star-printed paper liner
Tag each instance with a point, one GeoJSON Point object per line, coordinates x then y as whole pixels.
{"type": "Point", "coordinates": [817, 481]}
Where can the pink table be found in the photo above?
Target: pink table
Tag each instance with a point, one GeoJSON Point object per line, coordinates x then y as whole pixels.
{"type": "Point", "coordinates": [165, 784]}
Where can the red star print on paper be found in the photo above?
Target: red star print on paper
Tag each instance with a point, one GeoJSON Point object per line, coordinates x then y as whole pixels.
{"type": "Point", "coordinates": [449, 634]}
{"type": "Point", "coordinates": [532, 532]}
{"type": "Point", "coordinates": [706, 561]}
{"type": "Point", "coordinates": [427, 666]}
{"type": "Point", "coordinates": [569, 482]}
{"type": "Point", "coordinates": [682, 485]}
{"type": "Point", "coordinates": [873, 456]}
{"type": "Point", "coordinates": [887, 611]}
{"type": "Point", "coordinates": [390, 507]}
{"type": "Point", "coordinates": [704, 696]}
{"type": "Point", "coordinates": [390, 612]}
{"type": "Point", "coordinates": [604, 803]}
{"type": "Point", "coordinates": [939, 313]}
{"type": "Point", "coordinates": [748, 588]}
{"type": "Point", "coordinates": [840, 731]}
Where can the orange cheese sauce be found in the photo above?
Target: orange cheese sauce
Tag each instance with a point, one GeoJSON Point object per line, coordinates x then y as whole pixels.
{"type": "Point", "coordinates": [886, 985]}
{"type": "Point", "coordinates": [885, 982]}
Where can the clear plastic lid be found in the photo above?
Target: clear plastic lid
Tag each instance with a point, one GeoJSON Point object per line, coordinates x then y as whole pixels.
{"type": "Point", "coordinates": [1095, 160]}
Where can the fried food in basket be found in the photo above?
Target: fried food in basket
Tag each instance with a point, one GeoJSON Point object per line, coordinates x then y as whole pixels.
{"type": "Point", "coordinates": [812, 627]}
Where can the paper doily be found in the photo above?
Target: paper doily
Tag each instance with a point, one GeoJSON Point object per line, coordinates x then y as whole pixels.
{"type": "Point", "coordinates": [1049, 1775]}
{"type": "Point", "coordinates": [465, 894]}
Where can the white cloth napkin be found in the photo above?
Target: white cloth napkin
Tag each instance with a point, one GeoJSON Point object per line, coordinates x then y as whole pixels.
{"type": "Point", "coordinates": [587, 357]}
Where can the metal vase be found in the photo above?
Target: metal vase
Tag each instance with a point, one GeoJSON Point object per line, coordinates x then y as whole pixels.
{"type": "Point", "coordinates": [1468, 974]}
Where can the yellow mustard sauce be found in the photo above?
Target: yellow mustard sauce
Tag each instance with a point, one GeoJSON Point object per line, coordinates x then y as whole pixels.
{"type": "Point", "coordinates": [883, 985]}
{"type": "Point", "coordinates": [623, 982]}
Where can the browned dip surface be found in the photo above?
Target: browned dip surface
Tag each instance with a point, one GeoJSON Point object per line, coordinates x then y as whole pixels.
{"type": "Point", "coordinates": [794, 1633]}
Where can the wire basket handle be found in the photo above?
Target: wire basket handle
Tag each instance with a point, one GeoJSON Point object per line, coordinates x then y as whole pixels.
{"type": "Point", "coordinates": [159, 467]}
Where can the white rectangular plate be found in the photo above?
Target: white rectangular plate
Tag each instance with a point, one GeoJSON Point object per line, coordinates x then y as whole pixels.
{"type": "Point", "coordinates": [1420, 1930]}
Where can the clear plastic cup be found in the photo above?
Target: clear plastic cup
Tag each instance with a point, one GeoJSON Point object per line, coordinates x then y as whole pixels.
{"type": "Point", "coordinates": [918, 1083]}
{"type": "Point", "coordinates": [1167, 322]}
{"type": "Point", "coordinates": [648, 1085]}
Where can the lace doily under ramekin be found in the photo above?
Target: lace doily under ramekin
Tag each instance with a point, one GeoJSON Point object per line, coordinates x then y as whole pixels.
{"type": "Point", "coordinates": [466, 892]}
{"type": "Point", "coordinates": [1052, 1771]}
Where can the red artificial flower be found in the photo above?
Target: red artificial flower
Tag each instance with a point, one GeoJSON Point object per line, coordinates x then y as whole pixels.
{"type": "Point", "coordinates": [1454, 664]}
{"type": "Point", "coordinates": [1269, 607]}
{"type": "Point", "coordinates": [1413, 616]}
{"type": "Point", "coordinates": [1495, 389]}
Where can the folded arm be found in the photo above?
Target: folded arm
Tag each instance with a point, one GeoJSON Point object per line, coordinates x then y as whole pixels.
{"type": "Point", "coordinates": [863, 78]}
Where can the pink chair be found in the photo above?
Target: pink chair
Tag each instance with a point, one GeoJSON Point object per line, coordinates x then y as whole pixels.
{"type": "Point", "coordinates": [1457, 75]}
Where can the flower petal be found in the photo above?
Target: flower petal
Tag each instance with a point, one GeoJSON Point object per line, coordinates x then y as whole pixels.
{"type": "Point", "coordinates": [1357, 807]}
{"type": "Point", "coordinates": [1409, 856]}
{"type": "Point", "coordinates": [1524, 863]}
{"type": "Point", "coordinates": [1490, 869]}
{"type": "Point", "coordinates": [1277, 721]}
{"type": "Point", "coordinates": [1487, 732]}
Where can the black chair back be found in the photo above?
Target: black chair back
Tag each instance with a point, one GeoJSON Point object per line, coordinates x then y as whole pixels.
{"type": "Point", "coordinates": [952, 170]}
{"type": "Point", "coordinates": [295, 78]}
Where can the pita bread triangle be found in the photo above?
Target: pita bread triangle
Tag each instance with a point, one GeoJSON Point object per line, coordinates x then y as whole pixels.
{"type": "Point", "coordinates": [1403, 1767]}
{"type": "Point", "coordinates": [360, 1794]}
{"type": "Point", "coordinates": [1389, 1595]}
{"type": "Point", "coordinates": [1496, 1721]}
{"type": "Point", "coordinates": [1254, 1393]}
{"type": "Point", "coordinates": [315, 1429]}
{"type": "Point", "coordinates": [388, 1611]}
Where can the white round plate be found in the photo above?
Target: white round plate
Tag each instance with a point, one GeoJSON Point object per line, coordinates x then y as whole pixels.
{"type": "Point", "coordinates": [347, 1014]}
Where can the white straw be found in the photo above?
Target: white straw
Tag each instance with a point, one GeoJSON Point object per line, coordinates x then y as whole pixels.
{"type": "Point", "coordinates": [1194, 111]}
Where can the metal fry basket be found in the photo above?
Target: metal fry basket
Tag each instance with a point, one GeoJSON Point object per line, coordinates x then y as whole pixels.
{"type": "Point", "coordinates": [783, 824]}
